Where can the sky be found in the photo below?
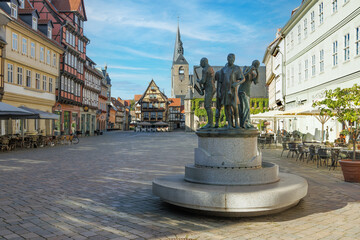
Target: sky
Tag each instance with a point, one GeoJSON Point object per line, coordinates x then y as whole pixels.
{"type": "Point", "coordinates": [136, 38]}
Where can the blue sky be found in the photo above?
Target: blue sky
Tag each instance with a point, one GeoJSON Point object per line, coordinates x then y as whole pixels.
{"type": "Point", "coordinates": [136, 38]}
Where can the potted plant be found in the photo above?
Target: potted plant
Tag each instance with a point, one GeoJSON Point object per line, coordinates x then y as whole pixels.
{"type": "Point", "coordinates": [344, 105]}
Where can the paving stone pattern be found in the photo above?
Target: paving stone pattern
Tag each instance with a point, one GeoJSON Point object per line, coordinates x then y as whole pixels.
{"type": "Point", "coordinates": [101, 189]}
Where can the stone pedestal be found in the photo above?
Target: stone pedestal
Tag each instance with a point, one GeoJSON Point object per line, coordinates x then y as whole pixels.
{"type": "Point", "coordinates": [228, 178]}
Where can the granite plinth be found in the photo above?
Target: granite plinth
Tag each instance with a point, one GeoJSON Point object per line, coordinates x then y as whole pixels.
{"type": "Point", "coordinates": [227, 148]}
{"type": "Point", "coordinates": [232, 201]}
{"type": "Point", "coordinates": [268, 173]}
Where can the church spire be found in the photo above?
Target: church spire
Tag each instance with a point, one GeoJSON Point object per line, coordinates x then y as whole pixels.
{"type": "Point", "coordinates": [178, 50]}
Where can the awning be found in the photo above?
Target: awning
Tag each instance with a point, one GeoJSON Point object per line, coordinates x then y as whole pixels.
{"type": "Point", "coordinates": [8, 111]}
{"type": "Point", "coordinates": [144, 124]}
{"type": "Point", "coordinates": [296, 111]}
{"type": "Point", "coordinates": [161, 124]}
{"type": "Point", "coordinates": [266, 115]}
{"type": "Point", "coordinates": [41, 114]}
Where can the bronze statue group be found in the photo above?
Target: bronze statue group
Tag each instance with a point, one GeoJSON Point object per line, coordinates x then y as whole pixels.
{"type": "Point", "coordinates": [229, 79]}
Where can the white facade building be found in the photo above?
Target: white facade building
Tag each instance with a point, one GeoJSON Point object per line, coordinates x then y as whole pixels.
{"type": "Point", "coordinates": [322, 51]}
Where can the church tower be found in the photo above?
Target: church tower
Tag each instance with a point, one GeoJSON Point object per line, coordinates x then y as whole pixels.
{"type": "Point", "coordinates": [179, 71]}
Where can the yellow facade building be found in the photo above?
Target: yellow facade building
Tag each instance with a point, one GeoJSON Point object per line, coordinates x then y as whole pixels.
{"type": "Point", "coordinates": [31, 68]}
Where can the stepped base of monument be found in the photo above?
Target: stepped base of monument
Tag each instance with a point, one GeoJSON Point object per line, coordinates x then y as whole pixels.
{"type": "Point", "coordinates": [267, 173]}
{"type": "Point", "coordinates": [232, 201]}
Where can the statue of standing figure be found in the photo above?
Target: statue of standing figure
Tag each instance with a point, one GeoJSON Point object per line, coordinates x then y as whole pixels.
{"type": "Point", "coordinates": [230, 76]}
{"type": "Point", "coordinates": [208, 82]}
{"type": "Point", "coordinates": [251, 75]}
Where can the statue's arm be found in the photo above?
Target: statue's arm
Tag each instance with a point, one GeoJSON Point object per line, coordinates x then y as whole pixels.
{"type": "Point", "coordinates": [240, 78]}
{"type": "Point", "coordinates": [203, 77]}
{"type": "Point", "coordinates": [256, 79]}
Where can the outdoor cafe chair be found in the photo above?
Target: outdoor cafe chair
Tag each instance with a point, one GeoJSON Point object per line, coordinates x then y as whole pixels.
{"type": "Point", "coordinates": [323, 156]}
{"type": "Point", "coordinates": [335, 154]}
{"type": "Point", "coordinates": [303, 152]}
{"type": "Point", "coordinates": [292, 149]}
{"type": "Point", "coordinates": [285, 148]}
{"type": "Point", "coordinates": [312, 154]}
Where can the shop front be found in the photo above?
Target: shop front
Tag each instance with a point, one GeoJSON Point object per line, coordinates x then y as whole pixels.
{"type": "Point", "coordinates": [88, 121]}
{"type": "Point", "coordinates": [69, 119]}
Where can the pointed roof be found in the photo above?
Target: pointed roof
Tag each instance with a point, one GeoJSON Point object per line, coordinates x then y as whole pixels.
{"type": "Point", "coordinates": [179, 50]}
{"type": "Point", "coordinates": [70, 6]}
{"type": "Point", "coordinates": [147, 89]}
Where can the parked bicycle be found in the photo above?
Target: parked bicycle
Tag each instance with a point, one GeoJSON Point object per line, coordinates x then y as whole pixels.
{"type": "Point", "coordinates": [74, 139]}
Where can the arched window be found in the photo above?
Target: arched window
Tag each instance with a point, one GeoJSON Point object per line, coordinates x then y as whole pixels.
{"type": "Point", "coordinates": [181, 71]}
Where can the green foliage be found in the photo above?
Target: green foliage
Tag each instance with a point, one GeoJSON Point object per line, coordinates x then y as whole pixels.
{"type": "Point", "coordinates": [263, 104]}
{"type": "Point", "coordinates": [258, 105]}
{"type": "Point", "coordinates": [344, 105]}
{"type": "Point", "coordinates": [201, 112]}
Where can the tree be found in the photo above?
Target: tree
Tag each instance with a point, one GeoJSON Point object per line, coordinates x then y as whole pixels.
{"type": "Point", "coordinates": [343, 104]}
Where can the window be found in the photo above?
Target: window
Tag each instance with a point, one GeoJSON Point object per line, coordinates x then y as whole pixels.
{"type": "Point", "coordinates": [22, 5]}
{"type": "Point", "coordinates": [54, 59]}
{"type": "Point", "coordinates": [67, 36]}
{"type": "Point", "coordinates": [312, 16]}
{"type": "Point", "coordinates": [146, 116]}
{"type": "Point", "coordinates": [299, 33]}
{"type": "Point", "coordinates": [322, 60]}
{"type": "Point", "coordinates": [28, 78]}
{"type": "Point", "coordinates": [19, 75]}
{"type": "Point", "coordinates": [50, 84]}
{"type": "Point", "coordinates": [10, 73]}
{"type": "Point", "coordinates": [37, 81]}
{"type": "Point", "coordinates": [24, 46]}
{"type": "Point", "coordinates": [357, 41]}
{"type": "Point", "coordinates": [334, 5]}
{"type": "Point", "coordinates": [299, 73]}
{"type": "Point", "coordinates": [347, 47]}
{"type": "Point", "coordinates": [288, 79]}
{"type": "Point", "coordinates": [35, 23]}
{"type": "Point", "coordinates": [48, 61]}
{"type": "Point", "coordinates": [335, 53]}
{"type": "Point", "coordinates": [44, 83]}
{"type": "Point", "coordinates": [49, 32]}
{"type": "Point", "coordinates": [306, 69]}
{"type": "Point", "coordinates": [14, 41]}
{"type": "Point", "coordinates": [321, 13]}
{"type": "Point", "coordinates": [292, 77]}
{"type": "Point", "coordinates": [292, 39]}
{"type": "Point", "coordinates": [62, 83]}
{"type": "Point", "coordinates": [42, 54]}
{"type": "Point", "coordinates": [72, 86]}
{"type": "Point", "coordinates": [305, 27]}
{"type": "Point", "coordinates": [14, 10]}
{"type": "Point", "coordinates": [153, 115]}
{"type": "Point", "coordinates": [32, 50]}
{"type": "Point", "coordinates": [313, 68]}
{"type": "Point", "coordinates": [76, 19]}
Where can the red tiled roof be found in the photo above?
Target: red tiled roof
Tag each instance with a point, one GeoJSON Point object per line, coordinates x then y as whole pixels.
{"type": "Point", "coordinates": [43, 21]}
{"type": "Point", "coordinates": [182, 109]}
{"type": "Point", "coordinates": [26, 11]}
{"type": "Point", "coordinates": [175, 102]}
{"type": "Point", "coordinates": [127, 102]}
{"type": "Point", "coordinates": [67, 5]}
{"type": "Point", "coordinates": [137, 97]}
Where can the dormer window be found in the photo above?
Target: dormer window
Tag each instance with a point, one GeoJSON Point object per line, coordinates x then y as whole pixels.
{"type": "Point", "coordinates": [49, 32]}
{"type": "Point", "coordinates": [22, 4]}
{"type": "Point", "coordinates": [35, 23]}
{"type": "Point", "coordinates": [14, 10]}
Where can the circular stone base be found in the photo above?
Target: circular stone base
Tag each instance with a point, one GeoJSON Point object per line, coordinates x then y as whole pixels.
{"type": "Point", "coordinates": [268, 173]}
{"type": "Point", "coordinates": [232, 201]}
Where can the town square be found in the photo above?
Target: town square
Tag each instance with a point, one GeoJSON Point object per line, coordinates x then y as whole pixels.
{"type": "Point", "coordinates": [247, 126]}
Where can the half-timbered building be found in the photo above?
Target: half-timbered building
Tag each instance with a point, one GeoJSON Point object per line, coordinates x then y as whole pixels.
{"type": "Point", "coordinates": [154, 105]}
{"type": "Point", "coordinates": [67, 18]}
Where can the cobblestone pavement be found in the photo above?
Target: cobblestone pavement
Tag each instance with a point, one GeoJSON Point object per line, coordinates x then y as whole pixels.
{"type": "Point", "coordinates": [101, 189]}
